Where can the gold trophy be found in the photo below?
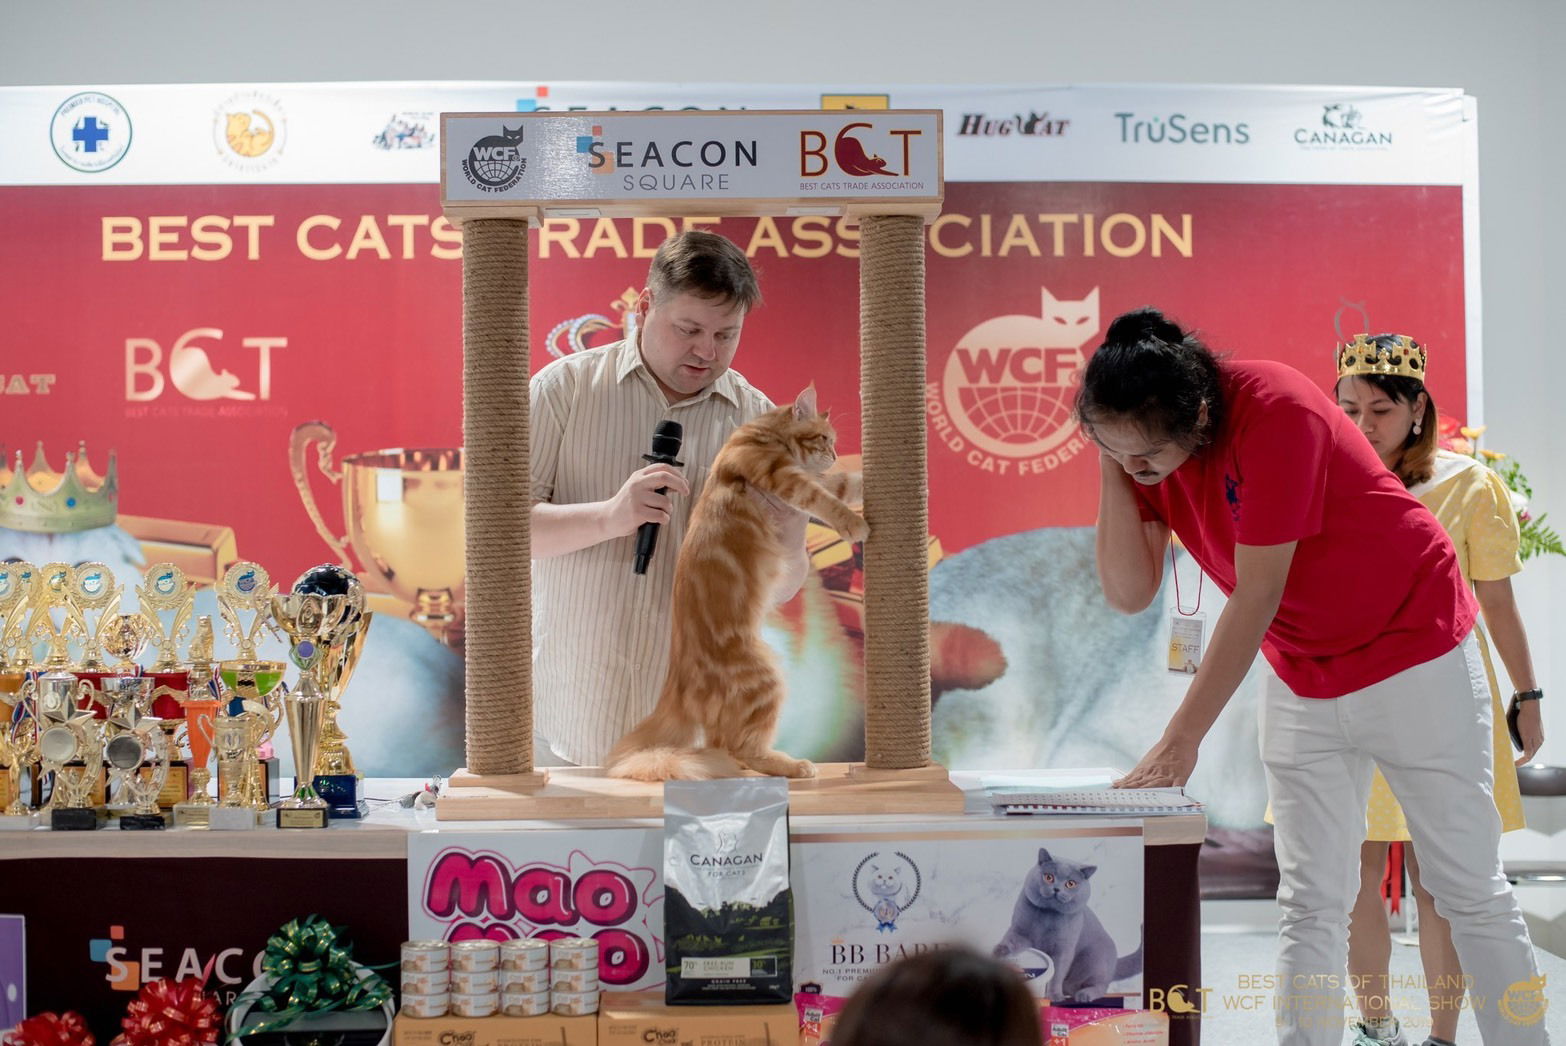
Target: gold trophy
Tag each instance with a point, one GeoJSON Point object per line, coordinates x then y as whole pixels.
{"type": "Point", "coordinates": [126, 752]}
{"type": "Point", "coordinates": [201, 707]}
{"type": "Point", "coordinates": [164, 589]}
{"type": "Point", "coordinates": [94, 590]}
{"type": "Point", "coordinates": [16, 585]}
{"type": "Point", "coordinates": [245, 588]}
{"type": "Point", "coordinates": [72, 752]}
{"type": "Point", "coordinates": [403, 510]}
{"type": "Point", "coordinates": [236, 738]}
{"type": "Point", "coordinates": [18, 751]}
{"type": "Point", "coordinates": [317, 626]}
{"type": "Point", "coordinates": [54, 618]}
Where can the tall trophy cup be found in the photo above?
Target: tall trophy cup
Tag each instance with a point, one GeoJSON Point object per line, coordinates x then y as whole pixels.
{"type": "Point", "coordinates": [200, 733]}
{"type": "Point", "coordinates": [315, 624]}
{"type": "Point", "coordinates": [403, 511]}
{"type": "Point", "coordinates": [336, 779]}
{"type": "Point", "coordinates": [18, 752]}
{"type": "Point", "coordinates": [72, 752]}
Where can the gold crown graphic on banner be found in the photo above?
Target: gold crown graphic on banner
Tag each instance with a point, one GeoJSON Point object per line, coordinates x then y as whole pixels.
{"type": "Point", "coordinates": [1404, 359]}
{"type": "Point", "coordinates": [44, 501]}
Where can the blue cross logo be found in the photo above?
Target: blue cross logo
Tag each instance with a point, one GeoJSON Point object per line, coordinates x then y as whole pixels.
{"type": "Point", "coordinates": [88, 134]}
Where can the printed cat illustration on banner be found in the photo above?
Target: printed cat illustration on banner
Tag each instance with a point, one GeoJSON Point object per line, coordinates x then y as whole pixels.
{"type": "Point", "coordinates": [718, 712]}
{"type": "Point", "coordinates": [1052, 916]}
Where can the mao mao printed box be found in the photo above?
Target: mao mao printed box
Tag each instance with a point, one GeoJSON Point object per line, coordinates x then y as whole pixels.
{"type": "Point", "coordinates": [639, 1018]}
{"type": "Point", "coordinates": [547, 1030]}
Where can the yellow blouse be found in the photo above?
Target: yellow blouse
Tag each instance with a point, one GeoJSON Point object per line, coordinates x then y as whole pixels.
{"type": "Point", "coordinates": [1474, 505]}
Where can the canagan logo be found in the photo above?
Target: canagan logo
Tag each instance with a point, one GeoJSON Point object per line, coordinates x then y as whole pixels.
{"type": "Point", "coordinates": [886, 885]}
{"type": "Point", "coordinates": [191, 370]}
{"type": "Point", "coordinates": [852, 156]}
{"type": "Point", "coordinates": [1018, 125]}
{"type": "Point", "coordinates": [494, 162]}
{"type": "Point", "coordinates": [1180, 129]}
{"type": "Point", "coordinates": [249, 131]}
{"type": "Point", "coordinates": [1342, 127]}
{"type": "Point", "coordinates": [1004, 399]}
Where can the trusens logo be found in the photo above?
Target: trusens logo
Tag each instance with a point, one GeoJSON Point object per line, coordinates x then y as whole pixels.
{"type": "Point", "coordinates": [90, 132]}
{"type": "Point", "coordinates": [1017, 125]}
{"type": "Point", "coordinates": [1005, 396]}
{"type": "Point", "coordinates": [1342, 126]}
{"type": "Point", "coordinates": [249, 131]}
{"type": "Point", "coordinates": [1180, 129]}
{"type": "Point", "coordinates": [495, 163]}
{"type": "Point", "coordinates": [886, 885]}
{"type": "Point", "coordinates": [406, 131]}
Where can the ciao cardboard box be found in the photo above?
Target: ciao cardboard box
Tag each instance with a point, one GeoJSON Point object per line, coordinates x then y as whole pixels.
{"type": "Point", "coordinates": [547, 1030]}
{"type": "Point", "coordinates": [640, 1018]}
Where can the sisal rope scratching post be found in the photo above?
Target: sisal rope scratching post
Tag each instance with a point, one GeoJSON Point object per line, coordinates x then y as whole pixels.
{"type": "Point", "coordinates": [897, 580]}
{"type": "Point", "coordinates": [498, 496]}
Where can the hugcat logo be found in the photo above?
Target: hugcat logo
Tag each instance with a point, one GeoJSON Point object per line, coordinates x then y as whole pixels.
{"type": "Point", "coordinates": [1180, 129]}
{"type": "Point", "coordinates": [191, 370]}
{"type": "Point", "coordinates": [1342, 127]}
{"type": "Point", "coordinates": [886, 885]}
{"type": "Point", "coordinates": [1005, 396]}
{"type": "Point", "coordinates": [1017, 125]}
{"type": "Point", "coordinates": [129, 968]}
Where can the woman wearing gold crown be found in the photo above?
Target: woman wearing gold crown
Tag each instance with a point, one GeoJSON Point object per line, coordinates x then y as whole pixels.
{"type": "Point", "coordinates": [1353, 592]}
{"type": "Point", "coordinates": [1390, 404]}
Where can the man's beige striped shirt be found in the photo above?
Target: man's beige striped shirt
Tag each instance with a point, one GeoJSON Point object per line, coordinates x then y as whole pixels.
{"type": "Point", "coordinates": [600, 632]}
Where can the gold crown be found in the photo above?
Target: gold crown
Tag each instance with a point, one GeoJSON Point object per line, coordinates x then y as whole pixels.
{"type": "Point", "coordinates": [1404, 359]}
{"type": "Point", "coordinates": [44, 501]}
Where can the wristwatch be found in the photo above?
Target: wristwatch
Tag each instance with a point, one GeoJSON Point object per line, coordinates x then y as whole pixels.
{"type": "Point", "coordinates": [1518, 697]}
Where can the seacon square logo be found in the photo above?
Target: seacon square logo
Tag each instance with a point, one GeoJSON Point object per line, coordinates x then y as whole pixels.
{"type": "Point", "coordinates": [1028, 124]}
{"type": "Point", "coordinates": [1179, 129]}
{"type": "Point", "coordinates": [495, 162]}
{"type": "Point", "coordinates": [1341, 127]}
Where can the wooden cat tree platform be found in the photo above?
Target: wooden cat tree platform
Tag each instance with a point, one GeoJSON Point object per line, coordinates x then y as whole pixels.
{"type": "Point", "coordinates": [504, 172]}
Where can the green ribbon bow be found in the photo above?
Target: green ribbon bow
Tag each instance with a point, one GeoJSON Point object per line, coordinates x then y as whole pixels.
{"type": "Point", "coordinates": [312, 972]}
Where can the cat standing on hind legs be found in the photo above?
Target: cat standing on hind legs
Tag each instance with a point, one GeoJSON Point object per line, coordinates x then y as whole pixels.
{"type": "Point", "coordinates": [718, 711]}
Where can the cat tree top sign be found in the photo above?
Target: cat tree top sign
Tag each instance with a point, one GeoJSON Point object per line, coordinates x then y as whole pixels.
{"type": "Point", "coordinates": [613, 164]}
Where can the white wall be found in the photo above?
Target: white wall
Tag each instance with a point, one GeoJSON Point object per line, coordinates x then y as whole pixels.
{"type": "Point", "coordinates": [1499, 50]}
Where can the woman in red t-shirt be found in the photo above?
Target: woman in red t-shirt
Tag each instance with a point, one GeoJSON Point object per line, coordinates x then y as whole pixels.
{"type": "Point", "coordinates": [1274, 493]}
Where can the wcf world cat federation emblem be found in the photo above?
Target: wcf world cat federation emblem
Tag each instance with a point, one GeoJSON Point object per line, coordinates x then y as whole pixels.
{"type": "Point", "coordinates": [495, 162]}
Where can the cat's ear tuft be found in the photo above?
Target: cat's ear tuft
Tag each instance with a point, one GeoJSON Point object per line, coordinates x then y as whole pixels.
{"type": "Point", "coordinates": [1087, 871]}
{"type": "Point", "coordinates": [805, 403]}
{"type": "Point", "coordinates": [1044, 857]}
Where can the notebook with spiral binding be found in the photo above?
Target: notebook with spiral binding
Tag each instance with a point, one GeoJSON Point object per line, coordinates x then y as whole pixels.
{"type": "Point", "coordinates": [1021, 799]}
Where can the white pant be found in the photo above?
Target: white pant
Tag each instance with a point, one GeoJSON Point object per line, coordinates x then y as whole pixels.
{"type": "Point", "coordinates": [1428, 729]}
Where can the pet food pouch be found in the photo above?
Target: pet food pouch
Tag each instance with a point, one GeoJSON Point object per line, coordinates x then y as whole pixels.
{"type": "Point", "coordinates": [728, 913]}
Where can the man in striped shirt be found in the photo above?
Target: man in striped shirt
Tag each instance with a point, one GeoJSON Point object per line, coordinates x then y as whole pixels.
{"type": "Point", "coordinates": [601, 632]}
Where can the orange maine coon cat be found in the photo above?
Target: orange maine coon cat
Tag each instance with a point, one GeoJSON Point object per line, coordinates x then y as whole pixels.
{"type": "Point", "coordinates": [718, 711]}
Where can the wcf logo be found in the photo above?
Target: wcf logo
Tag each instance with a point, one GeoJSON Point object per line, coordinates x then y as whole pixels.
{"type": "Point", "coordinates": [191, 369]}
{"type": "Point", "coordinates": [852, 157]}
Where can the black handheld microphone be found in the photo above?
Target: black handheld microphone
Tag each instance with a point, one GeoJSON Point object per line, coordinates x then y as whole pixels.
{"type": "Point", "coordinates": [665, 446]}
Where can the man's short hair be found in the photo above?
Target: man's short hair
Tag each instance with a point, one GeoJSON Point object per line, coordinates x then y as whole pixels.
{"type": "Point", "coordinates": [706, 265]}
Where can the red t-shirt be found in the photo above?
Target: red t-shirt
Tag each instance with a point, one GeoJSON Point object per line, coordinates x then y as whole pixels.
{"type": "Point", "coordinates": [1374, 587]}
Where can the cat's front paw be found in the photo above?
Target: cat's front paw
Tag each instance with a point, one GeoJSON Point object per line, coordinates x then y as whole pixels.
{"type": "Point", "coordinates": [856, 530]}
{"type": "Point", "coordinates": [802, 768]}
{"type": "Point", "coordinates": [1085, 995]}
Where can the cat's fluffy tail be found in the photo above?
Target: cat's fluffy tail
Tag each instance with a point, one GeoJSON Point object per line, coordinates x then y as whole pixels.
{"type": "Point", "coordinates": [672, 764]}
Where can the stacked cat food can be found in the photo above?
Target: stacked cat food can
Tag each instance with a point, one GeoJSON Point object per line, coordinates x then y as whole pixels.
{"type": "Point", "coordinates": [524, 977]}
{"type": "Point", "coordinates": [426, 978]}
{"type": "Point", "coordinates": [573, 976]}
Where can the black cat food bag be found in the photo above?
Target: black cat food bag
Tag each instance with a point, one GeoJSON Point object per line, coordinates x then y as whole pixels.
{"type": "Point", "coordinates": [728, 913]}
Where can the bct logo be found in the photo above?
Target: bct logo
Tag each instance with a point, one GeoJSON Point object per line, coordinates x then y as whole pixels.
{"type": "Point", "coordinates": [850, 154]}
{"type": "Point", "coordinates": [191, 369]}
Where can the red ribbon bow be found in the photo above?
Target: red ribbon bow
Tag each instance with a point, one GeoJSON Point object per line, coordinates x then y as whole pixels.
{"type": "Point", "coordinates": [51, 1029]}
{"type": "Point", "coordinates": [169, 1013]}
